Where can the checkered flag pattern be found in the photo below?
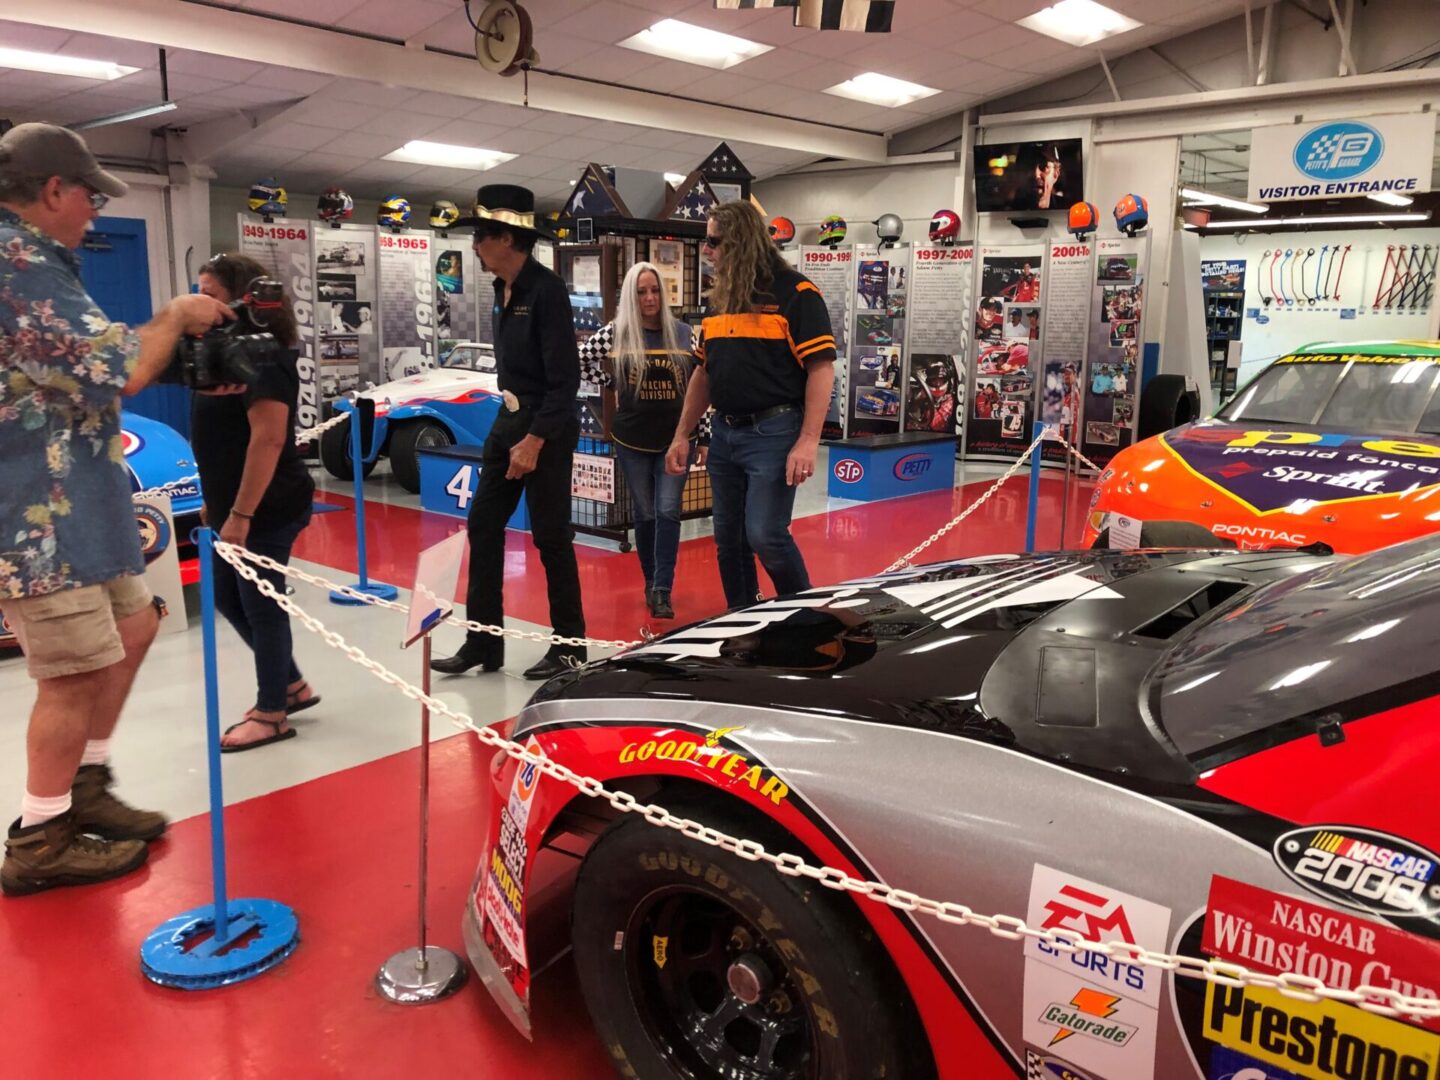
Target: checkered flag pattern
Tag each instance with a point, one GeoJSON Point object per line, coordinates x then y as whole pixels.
{"type": "Point", "coordinates": [1322, 147]}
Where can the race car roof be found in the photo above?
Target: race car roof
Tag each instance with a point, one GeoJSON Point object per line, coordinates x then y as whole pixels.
{"type": "Point", "coordinates": [1373, 348]}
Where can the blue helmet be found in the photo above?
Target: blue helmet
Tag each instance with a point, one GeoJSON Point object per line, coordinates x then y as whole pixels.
{"type": "Point", "coordinates": [1132, 213]}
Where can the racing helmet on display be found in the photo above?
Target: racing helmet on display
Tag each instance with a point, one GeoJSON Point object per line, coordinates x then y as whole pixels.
{"type": "Point", "coordinates": [394, 211]}
{"type": "Point", "coordinates": [944, 227]}
{"type": "Point", "coordinates": [444, 214]}
{"type": "Point", "coordinates": [832, 230]}
{"type": "Point", "coordinates": [1132, 213]}
{"type": "Point", "coordinates": [335, 205]}
{"type": "Point", "coordinates": [267, 197]}
{"type": "Point", "coordinates": [782, 230]}
{"type": "Point", "coordinates": [1083, 219]}
{"type": "Point", "coordinates": [888, 227]}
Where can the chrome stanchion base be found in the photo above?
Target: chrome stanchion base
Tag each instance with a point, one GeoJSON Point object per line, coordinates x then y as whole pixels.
{"type": "Point", "coordinates": [407, 979]}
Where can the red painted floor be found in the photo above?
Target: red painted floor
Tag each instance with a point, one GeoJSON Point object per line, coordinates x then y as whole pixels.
{"type": "Point", "coordinates": [342, 852]}
{"type": "Point", "coordinates": [844, 544]}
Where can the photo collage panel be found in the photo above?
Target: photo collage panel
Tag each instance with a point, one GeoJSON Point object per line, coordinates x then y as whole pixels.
{"type": "Point", "coordinates": [1007, 332]}
{"type": "Point", "coordinates": [877, 351]}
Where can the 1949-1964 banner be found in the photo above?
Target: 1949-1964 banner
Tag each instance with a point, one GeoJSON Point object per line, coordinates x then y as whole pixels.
{"type": "Point", "coordinates": [283, 248]}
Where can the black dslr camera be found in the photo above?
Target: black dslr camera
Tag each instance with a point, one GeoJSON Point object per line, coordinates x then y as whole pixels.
{"type": "Point", "coordinates": [226, 356]}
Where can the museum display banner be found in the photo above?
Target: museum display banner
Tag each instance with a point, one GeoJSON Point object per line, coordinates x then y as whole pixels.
{"type": "Point", "coordinates": [346, 287]}
{"type": "Point", "coordinates": [461, 290]}
{"type": "Point", "coordinates": [877, 342]}
{"type": "Point", "coordinates": [1004, 359]}
{"type": "Point", "coordinates": [1070, 272]}
{"type": "Point", "coordinates": [1111, 386]}
{"type": "Point", "coordinates": [283, 248]}
{"type": "Point", "coordinates": [938, 346]}
{"type": "Point", "coordinates": [829, 270]}
{"type": "Point", "coordinates": [407, 303]}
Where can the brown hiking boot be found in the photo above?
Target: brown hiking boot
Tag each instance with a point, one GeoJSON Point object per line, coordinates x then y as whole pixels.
{"type": "Point", "coordinates": [55, 853]}
{"type": "Point", "coordinates": [97, 811]}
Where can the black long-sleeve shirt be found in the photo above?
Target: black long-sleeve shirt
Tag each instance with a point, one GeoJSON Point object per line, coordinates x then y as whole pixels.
{"type": "Point", "coordinates": [535, 349]}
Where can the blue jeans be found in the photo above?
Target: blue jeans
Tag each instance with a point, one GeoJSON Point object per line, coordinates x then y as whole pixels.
{"type": "Point", "coordinates": [258, 620]}
{"type": "Point", "coordinates": [655, 498]}
{"type": "Point", "coordinates": [752, 506]}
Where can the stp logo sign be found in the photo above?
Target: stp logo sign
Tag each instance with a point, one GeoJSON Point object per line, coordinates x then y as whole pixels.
{"type": "Point", "coordinates": [912, 467]}
{"type": "Point", "coordinates": [849, 471]}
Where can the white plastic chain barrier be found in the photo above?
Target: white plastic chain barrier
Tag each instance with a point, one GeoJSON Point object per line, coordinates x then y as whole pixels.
{"type": "Point", "coordinates": [301, 438]}
{"type": "Point", "coordinates": [1377, 999]}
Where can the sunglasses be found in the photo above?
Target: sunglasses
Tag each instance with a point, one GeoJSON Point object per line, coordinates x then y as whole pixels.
{"type": "Point", "coordinates": [713, 242]}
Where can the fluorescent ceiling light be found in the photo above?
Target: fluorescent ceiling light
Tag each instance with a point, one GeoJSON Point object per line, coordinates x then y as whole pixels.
{"type": "Point", "coordinates": [877, 89]}
{"type": "Point", "coordinates": [1389, 198]}
{"type": "Point", "coordinates": [1320, 219]}
{"type": "Point", "coordinates": [674, 178]}
{"type": "Point", "coordinates": [1078, 22]}
{"type": "Point", "coordinates": [53, 64]}
{"type": "Point", "coordinates": [1207, 198]}
{"type": "Point", "coordinates": [676, 40]}
{"type": "Point", "coordinates": [128, 114]}
{"type": "Point", "coordinates": [421, 152]}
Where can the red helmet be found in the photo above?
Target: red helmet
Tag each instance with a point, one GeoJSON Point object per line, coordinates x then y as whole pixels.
{"type": "Point", "coordinates": [944, 227]}
{"type": "Point", "coordinates": [1083, 218]}
{"type": "Point", "coordinates": [782, 230]}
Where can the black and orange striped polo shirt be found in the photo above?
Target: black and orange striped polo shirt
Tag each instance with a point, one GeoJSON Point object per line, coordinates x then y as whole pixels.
{"type": "Point", "coordinates": [758, 360]}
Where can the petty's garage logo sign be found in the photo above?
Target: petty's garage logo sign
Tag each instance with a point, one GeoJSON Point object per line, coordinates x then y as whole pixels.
{"type": "Point", "coordinates": [1342, 157]}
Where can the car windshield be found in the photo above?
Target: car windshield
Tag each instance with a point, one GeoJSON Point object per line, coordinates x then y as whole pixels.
{"type": "Point", "coordinates": [1294, 652]}
{"type": "Point", "coordinates": [1381, 396]}
{"type": "Point", "coordinates": [469, 358]}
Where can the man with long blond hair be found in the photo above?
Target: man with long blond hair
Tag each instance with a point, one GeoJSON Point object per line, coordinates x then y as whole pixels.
{"type": "Point", "coordinates": [767, 364]}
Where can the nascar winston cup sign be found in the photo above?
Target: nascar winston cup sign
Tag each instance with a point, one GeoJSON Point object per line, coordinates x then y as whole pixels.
{"type": "Point", "coordinates": [1337, 158]}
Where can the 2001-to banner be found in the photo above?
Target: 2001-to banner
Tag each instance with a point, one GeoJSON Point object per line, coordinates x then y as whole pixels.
{"type": "Point", "coordinates": [283, 248]}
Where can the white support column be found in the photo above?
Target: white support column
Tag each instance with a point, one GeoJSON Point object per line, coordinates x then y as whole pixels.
{"type": "Point", "coordinates": [1267, 46]}
{"type": "Point", "coordinates": [1105, 67]}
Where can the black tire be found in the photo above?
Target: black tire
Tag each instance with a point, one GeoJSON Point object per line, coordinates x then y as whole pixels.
{"type": "Point", "coordinates": [405, 444]}
{"type": "Point", "coordinates": [675, 901]}
{"type": "Point", "coordinates": [1165, 403]}
{"type": "Point", "coordinates": [335, 453]}
{"type": "Point", "coordinates": [1171, 534]}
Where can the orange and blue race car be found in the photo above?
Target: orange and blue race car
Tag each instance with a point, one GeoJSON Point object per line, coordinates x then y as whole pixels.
{"type": "Point", "coordinates": [1335, 443]}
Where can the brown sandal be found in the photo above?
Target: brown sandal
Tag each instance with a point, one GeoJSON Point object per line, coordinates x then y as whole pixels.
{"type": "Point", "coordinates": [293, 704]}
{"type": "Point", "coordinates": [274, 725]}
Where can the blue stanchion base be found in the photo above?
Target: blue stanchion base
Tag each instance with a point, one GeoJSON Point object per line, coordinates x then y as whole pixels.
{"type": "Point", "coordinates": [374, 588]}
{"type": "Point", "coordinates": [182, 952]}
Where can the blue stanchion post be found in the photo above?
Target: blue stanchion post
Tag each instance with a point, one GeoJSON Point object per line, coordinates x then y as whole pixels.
{"type": "Point", "coordinates": [228, 941]}
{"type": "Point", "coordinates": [357, 460]}
{"type": "Point", "coordinates": [1034, 510]}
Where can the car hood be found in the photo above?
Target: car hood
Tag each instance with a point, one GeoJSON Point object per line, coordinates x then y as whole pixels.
{"type": "Point", "coordinates": [1269, 469]}
{"type": "Point", "coordinates": [442, 384]}
{"type": "Point", "coordinates": [156, 455]}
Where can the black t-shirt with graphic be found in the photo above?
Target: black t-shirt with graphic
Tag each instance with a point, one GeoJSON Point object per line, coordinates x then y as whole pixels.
{"type": "Point", "coordinates": [648, 408]}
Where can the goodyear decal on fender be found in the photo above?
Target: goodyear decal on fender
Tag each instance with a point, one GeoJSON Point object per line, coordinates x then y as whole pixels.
{"type": "Point", "coordinates": [705, 752]}
{"type": "Point", "coordinates": [1322, 1040]}
{"type": "Point", "coordinates": [1364, 869]}
{"type": "Point", "coordinates": [1271, 471]}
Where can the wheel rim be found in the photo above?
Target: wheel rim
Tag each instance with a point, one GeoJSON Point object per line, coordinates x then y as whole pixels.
{"type": "Point", "coordinates": [430, 437]}
{"type": "Point", "coordinates": [689, 1003]}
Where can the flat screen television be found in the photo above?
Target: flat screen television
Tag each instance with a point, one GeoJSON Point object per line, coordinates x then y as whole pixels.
{"type": "Point", "coordinates": [1029, 176]}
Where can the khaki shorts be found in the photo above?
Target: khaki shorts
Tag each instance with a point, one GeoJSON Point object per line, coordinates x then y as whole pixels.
{"type": "Point", "coordinates": [73, 631]}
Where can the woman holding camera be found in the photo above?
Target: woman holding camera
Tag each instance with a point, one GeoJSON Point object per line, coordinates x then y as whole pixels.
{"type": "Point", "coordinates": [258, 493]}
{"type": "Point", "coordinates": [642, 361]}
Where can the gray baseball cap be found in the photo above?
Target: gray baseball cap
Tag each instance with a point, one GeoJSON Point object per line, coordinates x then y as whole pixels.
{"type": "Point", "coordinates": [46, 150]}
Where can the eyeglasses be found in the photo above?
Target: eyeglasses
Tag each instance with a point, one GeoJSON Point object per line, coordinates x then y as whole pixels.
{"type": "Point", "coordinates": [98, 199]}
{"type": "Point", "coordinates": [713, 242]}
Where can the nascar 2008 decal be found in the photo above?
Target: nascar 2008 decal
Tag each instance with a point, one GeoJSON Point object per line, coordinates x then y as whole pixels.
{"type": "Point", "coordinates": [1100, 1012]}
{"type": "Point", "coordinates": [1362, 868]}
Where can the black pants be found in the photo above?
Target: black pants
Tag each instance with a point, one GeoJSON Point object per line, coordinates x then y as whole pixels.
{"type": "Point", "coordinates": [547, 492]}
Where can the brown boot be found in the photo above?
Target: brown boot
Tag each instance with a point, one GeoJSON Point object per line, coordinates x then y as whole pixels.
{"type": "Point", "coordinates": [98, 811]}
{"type": "Point", "coordinates": [55, 853]}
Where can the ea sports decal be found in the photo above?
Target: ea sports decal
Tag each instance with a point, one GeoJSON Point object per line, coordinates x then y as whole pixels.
{"type": "Point", "coordinates": [1362, 869]}
{"type": "Point", "coordinates": [154, 531]}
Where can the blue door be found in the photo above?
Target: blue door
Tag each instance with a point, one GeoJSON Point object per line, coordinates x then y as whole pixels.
{"type": "Point", "coordinates": [115, 267]}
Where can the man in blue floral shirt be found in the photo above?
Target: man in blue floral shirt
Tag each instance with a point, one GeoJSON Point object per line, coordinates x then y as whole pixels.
{"type": "Point", "coordinates": [70, 563]}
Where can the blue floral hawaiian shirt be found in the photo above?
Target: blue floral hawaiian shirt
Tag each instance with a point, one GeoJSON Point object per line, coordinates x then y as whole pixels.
{"type": "Point", "coordinates": [66, 518]}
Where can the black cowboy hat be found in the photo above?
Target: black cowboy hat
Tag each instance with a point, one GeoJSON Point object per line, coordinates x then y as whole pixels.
{"type": "Point", "coordinates": [508, 204]}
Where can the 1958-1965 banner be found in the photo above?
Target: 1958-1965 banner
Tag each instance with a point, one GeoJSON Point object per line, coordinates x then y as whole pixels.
{"type": "Point", "coordinates": [408, 333]}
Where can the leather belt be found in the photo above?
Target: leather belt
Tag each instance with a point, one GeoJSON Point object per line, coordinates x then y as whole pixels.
{"type": "Point", "coordinates": [751, 419]}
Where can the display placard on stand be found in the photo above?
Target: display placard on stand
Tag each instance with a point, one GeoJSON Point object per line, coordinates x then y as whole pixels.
{"type": "Point", "coordinates": [1004, 360]}
{"type": "Point", "coordinates": [830, 270]}
{"type": "Point", "coordinates": [1070, 271]}
{"type": "Point", "coordinates": [938, 339]}
{"type": "Point", "coordinates": [346, 308]}
{"type": "Point", "coordinates": [1111, 386]}
{"type": "Point", "coordinates": [283, 247]}
{"type": "Point", "coordinates": [877, 344]}
{"type": "Point", "coordinates": [407, 303]}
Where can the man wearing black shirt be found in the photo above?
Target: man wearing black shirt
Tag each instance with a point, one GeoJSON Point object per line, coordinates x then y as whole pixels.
{"type": "Point", "coordinates": [530, 449]}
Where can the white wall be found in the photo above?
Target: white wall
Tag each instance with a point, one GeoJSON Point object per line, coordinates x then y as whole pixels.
{"type": "Point", "coordinates": [1288, 328]}
{"type": "Point", "coordinates": [860, 196]}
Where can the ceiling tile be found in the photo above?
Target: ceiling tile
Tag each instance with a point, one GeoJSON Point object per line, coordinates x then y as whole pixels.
{"type": "Point", "coordinates": [654, 138]}
{"type": "Point", "coordinates": [522, 140]}
{"type": "Point", "coordinates": [362, 144]}
{"type": "Point", "coordinates": [402, 21]}
{"type": "Point", "coordinates": [354, 91]}
{"type": "Point", "coordinates": [606, 22]}
{"type": "Point", "coordinates": [292, 136]}
{"type": "Point", "coordinates": [292, 79]}
{"type": "Point", "coordinates": [403, 124]}
{"type": "Point", "coordinates": [212, 67]}
{"type": "Point", "coordinates": [613, 65]}
{"type": "Point", "coordinates": [559, 123]}
{"type": "Point", "coordinates": [36, 38]}
{"type": "Point", "coordinates": [441, 105]}
{"type": "Point", "coordinates": [465, 133]}
{"type": "Point", "coordinates": [246, 94]}
{"type": "Point", "coordinates": [94, 47]}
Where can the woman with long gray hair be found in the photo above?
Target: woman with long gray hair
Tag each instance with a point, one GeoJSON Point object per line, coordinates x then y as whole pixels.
{"type": "Point", "coordinates": [642, 362]}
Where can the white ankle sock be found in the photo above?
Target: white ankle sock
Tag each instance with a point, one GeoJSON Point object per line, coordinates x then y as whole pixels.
{"type": "Point", "coordinates": [97, 752]}
{"type": "Point", "coordinates": [34, 809]}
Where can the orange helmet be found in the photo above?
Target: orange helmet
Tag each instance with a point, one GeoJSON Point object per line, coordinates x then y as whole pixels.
{"type": "Point", "coordinates": [1083, 218]}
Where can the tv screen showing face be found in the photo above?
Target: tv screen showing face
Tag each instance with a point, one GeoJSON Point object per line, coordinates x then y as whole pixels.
{"type": "Point", "coordinates": [1029, 176]}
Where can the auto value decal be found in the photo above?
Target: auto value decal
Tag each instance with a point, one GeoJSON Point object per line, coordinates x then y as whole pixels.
{"type": "Point", "coordinates": [1269, 471]}
{"type": "Point", "coordinates": [705, 752]}
{"type": "Point", "coordinates": [1273, 932]}
{"type": "Point", "coordinates": [1362, 868]}
{"type": "Point", "coordinates": [504, 879]}
{"type": "Point", "coordinates": [1103, 1010]}
{"type": "Point", "coordinates": [1322, 1040]}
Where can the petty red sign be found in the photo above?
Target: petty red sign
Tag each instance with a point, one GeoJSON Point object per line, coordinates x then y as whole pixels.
{"type": "Point", "coordinates": [1278, 933]}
